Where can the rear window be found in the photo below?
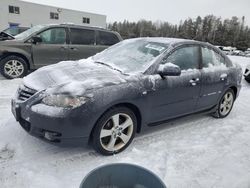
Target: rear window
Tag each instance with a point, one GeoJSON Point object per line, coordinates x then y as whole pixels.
{"type": "Point", "coordinates": [107, 39]}
{"type": "Point", "coordinates": [210, 58]}
{"type": "Point", "coordinates": [82, 36]}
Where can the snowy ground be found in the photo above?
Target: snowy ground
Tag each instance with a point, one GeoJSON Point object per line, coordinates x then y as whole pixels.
{"type": "Point", "coordinates": [196, 151]}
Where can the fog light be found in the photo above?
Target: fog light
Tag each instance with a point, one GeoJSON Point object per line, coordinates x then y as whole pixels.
{"type": "Point", "coordinates": [50, 135]}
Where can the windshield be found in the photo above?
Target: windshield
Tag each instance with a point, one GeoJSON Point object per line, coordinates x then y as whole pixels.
{"type": "Point", "coordinates": [11, 31]}
{"type": "Point", "coordinates": [28, 32]}
{"type": "Point", "coordinates": [134, 55]}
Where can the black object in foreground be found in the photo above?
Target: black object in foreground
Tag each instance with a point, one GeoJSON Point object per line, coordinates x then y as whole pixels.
{"type": "Point", "coordinates": [121, 175]}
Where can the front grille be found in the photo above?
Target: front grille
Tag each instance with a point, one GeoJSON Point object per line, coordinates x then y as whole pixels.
{"type": "Point", "coordinates": [24, 93]}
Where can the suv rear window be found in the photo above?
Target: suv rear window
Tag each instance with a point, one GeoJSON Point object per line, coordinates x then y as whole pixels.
{"type": "Point", "coordinates": [82, 36]}
{"type": "Point", "coordinates": [107, 39]}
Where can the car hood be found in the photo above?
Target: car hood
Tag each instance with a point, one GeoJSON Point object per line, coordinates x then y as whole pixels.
{"type": "Point", "coordinates": [73, 77]}
{"type": "Point", "coordinates": [10, 42]}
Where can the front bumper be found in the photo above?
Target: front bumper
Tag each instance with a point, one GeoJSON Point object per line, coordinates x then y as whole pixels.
{"type": "Point", "coordinates": [54, 125]}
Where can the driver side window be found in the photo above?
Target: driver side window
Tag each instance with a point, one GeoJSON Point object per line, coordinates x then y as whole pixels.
{"type": "Point", "coordinates": [53, 36]}
{"type": "Point", "coordinates": [186, 58]}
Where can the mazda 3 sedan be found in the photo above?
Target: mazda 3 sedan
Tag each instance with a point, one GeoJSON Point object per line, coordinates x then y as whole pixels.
{"type": "Point", "coordinates": [108, 98]}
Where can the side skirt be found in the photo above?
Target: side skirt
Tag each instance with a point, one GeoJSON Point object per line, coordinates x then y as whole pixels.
{"type": "Point", "coordinates": [207, 111]}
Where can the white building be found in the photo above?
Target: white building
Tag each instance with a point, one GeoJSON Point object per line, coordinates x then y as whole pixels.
{"type": "Point", "coordinates": [26, 14]}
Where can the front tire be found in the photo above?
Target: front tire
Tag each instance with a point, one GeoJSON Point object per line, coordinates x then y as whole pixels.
{"type": "Point", "coordinates": [225, 105]}
{"type": "Point", "coordinates": [114, 131]}
{"type": "Point", "coordinates": [13, 67]}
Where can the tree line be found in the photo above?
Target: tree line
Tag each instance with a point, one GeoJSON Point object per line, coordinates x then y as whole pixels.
{"type": "Point", "coordinates": [215, 30]}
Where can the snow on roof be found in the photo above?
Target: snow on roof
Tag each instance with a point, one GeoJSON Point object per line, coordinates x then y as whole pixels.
{"type": "Point", "coordinates": [165, 40]}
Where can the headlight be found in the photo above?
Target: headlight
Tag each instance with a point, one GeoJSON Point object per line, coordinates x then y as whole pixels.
{"type": "Point", "coordinates": [64, 101]}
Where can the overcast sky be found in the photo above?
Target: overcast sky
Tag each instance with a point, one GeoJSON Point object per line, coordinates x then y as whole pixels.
{"type": "Point", "coordinates": [166, 10]}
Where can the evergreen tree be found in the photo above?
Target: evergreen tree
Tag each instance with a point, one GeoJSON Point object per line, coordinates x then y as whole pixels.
{"type": "Point", "coordinates": [212, 29]}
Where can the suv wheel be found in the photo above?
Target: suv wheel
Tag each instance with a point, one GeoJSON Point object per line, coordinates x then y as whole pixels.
{"type": "Point", "coordinates": [114, 131]}
{"type": "Point", "coordinates": [225, 105]}
{"type": "Point", "coordinates": [13, 67]}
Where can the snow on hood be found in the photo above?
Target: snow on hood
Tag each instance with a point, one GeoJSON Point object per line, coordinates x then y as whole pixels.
{"type": "Point", "coordinates": [73, 77]}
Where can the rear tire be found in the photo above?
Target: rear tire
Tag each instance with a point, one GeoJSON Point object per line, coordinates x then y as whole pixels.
{"type": "Point", "coordinates": [13, 67]}
{"type": "Point", "coordinates": [114, 131]}
{"type": "Point", "coordinates": [225, 105]}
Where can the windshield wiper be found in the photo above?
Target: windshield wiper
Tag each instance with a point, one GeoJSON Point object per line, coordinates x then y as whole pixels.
{"type": "Point", "coordinates": [105, 64]}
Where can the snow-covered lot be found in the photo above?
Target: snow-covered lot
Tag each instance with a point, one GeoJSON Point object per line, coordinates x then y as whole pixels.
{"type": "Point", "coordinates": [195, 151]}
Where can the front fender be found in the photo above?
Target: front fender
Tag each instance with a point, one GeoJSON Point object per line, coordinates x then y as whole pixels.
{"type": "Point", "coordinates": [25, 52]}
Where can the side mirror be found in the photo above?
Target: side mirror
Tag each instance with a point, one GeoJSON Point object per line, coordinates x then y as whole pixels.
{"type": "Point", "coordinates": [36, 39]}
{"type": "Point", "coordinates": [169, 69]}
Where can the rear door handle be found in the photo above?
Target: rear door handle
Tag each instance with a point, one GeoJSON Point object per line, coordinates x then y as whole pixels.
{"type": "Point", "coordinates": [194, 81]}
{"type": "Point", "coordinates": [64, 47]}
{"type": "Point", "coordinates": [223, 77]}
{"type": "Point", "coordinates": [73, 48]}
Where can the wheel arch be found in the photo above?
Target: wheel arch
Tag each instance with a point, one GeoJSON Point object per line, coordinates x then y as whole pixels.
{"type": "Point", "coordinates": [18, 55]}
{"type": "Point", "coordinates": [128, 105]}
{"type": "Point", "coordinates": [234, 88]}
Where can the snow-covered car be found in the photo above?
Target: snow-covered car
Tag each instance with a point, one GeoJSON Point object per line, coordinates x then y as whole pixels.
{"type": "Point", "coordinates": [238, 52]}
{"type": "Point", "coordinates": [247, 74]}
{"type": "Point", "coordinates": [108, 98]}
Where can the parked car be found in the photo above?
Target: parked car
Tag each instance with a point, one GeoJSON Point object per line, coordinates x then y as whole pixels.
{"type": "Point", "coordinates": [247, 74]}
{"type": "Point", "coordinates": [238, 53]}
{"type": "Point", "coordinates": [247, 53]}
{"type": "Point", "coordinates": [48, 44]}
{"type": "Point", "coordinates": [10, 33]}
{"type": "Point", "coordinates": [108, 98]}
{"type": "Point", "coordinates": [228, 51]}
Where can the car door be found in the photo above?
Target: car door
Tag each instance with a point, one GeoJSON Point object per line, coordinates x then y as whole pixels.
{"type": "Point", "coordinates": [214, 76]}
{"type": "Point", "coordinates": [52, 49]}
{"type": "Point", "coordinates": [177, 95]}
{"type": "Point", "coordinates": [82, 43]}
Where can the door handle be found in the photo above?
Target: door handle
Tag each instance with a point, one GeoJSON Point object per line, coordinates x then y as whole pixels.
{"type": "Point", "coordinates": [64, 48]}
{"type": "Point", "coordinates": [194, 81]}
{"type": "Point", "coordinates": [73, 48]}
{"type": "Point", "coordinates": [223, 77]}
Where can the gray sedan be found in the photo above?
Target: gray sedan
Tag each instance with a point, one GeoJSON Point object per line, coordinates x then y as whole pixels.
{"type": "Point", "coordinates": [108, 98]}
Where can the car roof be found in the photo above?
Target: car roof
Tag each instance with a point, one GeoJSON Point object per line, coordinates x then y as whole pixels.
{"type": "Point", "coordinates": [77, 26]}
{"type": "Point", "coordinates": [171, 41]}
{"type": "Point", "coordinates": [175, 42]}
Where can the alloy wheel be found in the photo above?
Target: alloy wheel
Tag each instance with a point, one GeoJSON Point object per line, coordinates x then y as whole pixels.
{"type": "Point", "coordinates": [116, 132]}
{"type": "Point", "coordinates": [226, 103]}
{"type": "Point", "coordinates": [13, 68]}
